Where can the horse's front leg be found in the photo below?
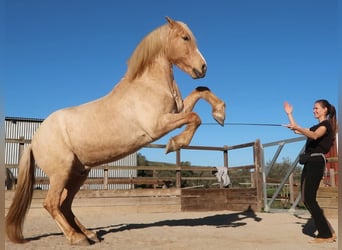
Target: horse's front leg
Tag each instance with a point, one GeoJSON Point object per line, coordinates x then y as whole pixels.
{"type": "Point", "coordinates": [193, 121]}
{"type": "Point", "coordinates": [218, 106]}
{"type": "Point", "coordinates": [172, 121]}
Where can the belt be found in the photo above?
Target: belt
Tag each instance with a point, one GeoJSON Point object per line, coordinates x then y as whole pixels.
{"type": "Point", "coordinates": [319, 154]}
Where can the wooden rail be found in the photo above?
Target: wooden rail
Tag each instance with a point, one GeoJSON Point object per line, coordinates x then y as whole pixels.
{"type": "Point", "coordinates": [254, 170]}
{"type": "Point", "coordinates": [155, 180]}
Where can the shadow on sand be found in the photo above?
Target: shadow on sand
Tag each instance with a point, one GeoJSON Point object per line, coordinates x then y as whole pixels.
{"type": "Point", "coordinates": [218, 220]}
{"type": "Point", "coordinates": [308, 228]}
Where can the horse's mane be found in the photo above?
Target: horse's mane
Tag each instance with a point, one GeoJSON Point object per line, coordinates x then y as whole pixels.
{"type": "Point", "coordinates": [147, 49]}
{"type": "Point", "coordinates": [151, 45]}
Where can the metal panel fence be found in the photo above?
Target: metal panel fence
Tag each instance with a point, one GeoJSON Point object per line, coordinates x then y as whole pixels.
{"type": "Point", "coordinates": [22, 130]}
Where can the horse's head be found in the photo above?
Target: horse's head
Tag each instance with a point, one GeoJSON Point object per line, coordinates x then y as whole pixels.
{"type": "Point", "coordinates": [182, 50]}
{"type": "Point", "coordinates": [176, 43]}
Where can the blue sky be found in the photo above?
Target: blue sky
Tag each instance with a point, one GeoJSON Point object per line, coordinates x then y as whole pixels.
{"type": "Point", "coordinates": [259, 54]}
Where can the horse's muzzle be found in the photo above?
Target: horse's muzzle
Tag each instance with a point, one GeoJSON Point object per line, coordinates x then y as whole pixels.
{"type": "Point", "coordinates": [200, 74]}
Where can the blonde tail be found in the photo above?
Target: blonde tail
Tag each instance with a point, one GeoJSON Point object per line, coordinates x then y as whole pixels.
{"type": "Point", "coordinates": [22, 198]}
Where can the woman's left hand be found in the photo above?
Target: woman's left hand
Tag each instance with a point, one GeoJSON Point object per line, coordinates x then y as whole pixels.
{"type": "Point", "coordinates": [293, 127]}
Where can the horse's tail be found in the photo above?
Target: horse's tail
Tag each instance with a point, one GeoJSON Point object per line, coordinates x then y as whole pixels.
{"type": "Point", "coordinates": [22, 198]}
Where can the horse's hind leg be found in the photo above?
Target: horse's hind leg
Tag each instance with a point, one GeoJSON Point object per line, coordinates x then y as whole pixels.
{"type": "Point", "coordinates": [52, 205]}
{"type": "Point", "coordinates": [75, 181]}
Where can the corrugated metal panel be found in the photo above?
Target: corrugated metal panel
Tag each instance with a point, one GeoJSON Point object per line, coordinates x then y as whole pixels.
{"type": "Point", "coordinates": [17, 128]}
{"type": "Point", "coordinates": [130, 160]}
{"type": "Point", "coordinates": [11, 153]}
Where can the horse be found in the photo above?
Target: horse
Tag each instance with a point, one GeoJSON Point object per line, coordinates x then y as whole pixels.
{"type": "Point", "coordinates": [142, 107]}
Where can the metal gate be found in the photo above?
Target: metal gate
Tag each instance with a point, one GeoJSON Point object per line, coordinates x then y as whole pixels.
{"type": "Point", "coordinates": [266, 170]}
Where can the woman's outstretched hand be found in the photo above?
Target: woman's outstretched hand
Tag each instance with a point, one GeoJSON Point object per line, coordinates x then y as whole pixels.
{"type": "Point", "coordinates": [288, 108]}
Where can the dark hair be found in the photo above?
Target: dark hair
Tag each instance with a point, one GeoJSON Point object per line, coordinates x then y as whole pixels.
{"type": "Point", "coordinates": [331, 114]}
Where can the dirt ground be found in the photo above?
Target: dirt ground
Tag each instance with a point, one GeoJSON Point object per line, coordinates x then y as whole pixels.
{"type": "Point", "coordinates": [182, 230]}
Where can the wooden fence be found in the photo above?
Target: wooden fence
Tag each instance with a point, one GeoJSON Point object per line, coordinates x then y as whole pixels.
{"type": "Point", "coordinates": [202, 194]}
{"type": "Point", "coordinates": [249, 196]}
{"type": "Point", "coordinates": [177, 168]}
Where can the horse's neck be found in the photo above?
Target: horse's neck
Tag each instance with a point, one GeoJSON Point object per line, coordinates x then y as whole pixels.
{"type": "Point", "coordinates": [160, 69]}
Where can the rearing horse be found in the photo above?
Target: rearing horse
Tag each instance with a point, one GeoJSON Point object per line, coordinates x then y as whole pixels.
{"type": "Point", "coordinates": [144, 106]}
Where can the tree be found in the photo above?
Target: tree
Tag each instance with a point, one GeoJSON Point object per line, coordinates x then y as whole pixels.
{"type": "Point", "coordinates": [141, 160]}
{"type": "Point", "coordinates": [279, 170]}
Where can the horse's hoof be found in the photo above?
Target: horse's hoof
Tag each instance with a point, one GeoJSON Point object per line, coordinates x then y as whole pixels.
{"type": "Point", "coordinates": [219, 113]}
{"type": "Point", "coordinates": [79, 241]}
{"type": "Point", "coordinates": [171, 146]}
{"type": "Point", "coordinates": [83, 242]}
{"type": "Point", "coordinates": [219, 117]}
{"type": "Point", "coordinates": [93, 239]}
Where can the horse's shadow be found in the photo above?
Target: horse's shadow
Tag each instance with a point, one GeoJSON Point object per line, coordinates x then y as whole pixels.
{"type": "Point", "coordinates": [218, 220]}
{"type": "Point", "coordinates": [43, 236]}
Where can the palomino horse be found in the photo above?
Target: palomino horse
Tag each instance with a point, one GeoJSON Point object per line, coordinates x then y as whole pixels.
{"type": "Point", "coordinates": [144, 106]}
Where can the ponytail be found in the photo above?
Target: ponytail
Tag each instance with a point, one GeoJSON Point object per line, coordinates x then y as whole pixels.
{"type": "Point", "coordinates": [331, 114]}
{"type": "Point", "coordinates": [332, 119]}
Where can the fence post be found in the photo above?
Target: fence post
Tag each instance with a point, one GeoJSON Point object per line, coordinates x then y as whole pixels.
{"type": "Point", "coordinates": [291, 183]}
{"type": "Point", "coordinates": [258, 172]}
{"type": "Point", "coordinates": [20, 153]}
{"type": "Point", "coordinates": [332, 177]}
{"type": "Point", "coordinates": [21, 147]}
{"type": "Point", "coordinates": [225, 156]}
{"type": "Point", "coordinates": [105, 178]}
{"type": "Point", "coordinates": [154, 175]}
{"type": "Point", "coordinates": [178, 171]}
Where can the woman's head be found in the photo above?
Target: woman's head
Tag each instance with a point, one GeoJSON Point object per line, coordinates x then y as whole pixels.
{"type": "Point", "coordinates": [325, 105]}
{"type": "Point", "coordinates": [328, 110]}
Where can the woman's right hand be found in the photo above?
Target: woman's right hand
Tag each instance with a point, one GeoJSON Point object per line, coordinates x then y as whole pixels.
{"type": "Point", "coordinates": [288, 108]}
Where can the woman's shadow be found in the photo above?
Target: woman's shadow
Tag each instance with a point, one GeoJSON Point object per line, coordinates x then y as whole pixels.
{"type": "Point", "coordinates": [308, 228]}
{"type": "Point", "coordinates": [218, 220]}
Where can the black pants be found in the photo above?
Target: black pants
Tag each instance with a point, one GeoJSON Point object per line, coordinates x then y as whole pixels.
{"type": "Point", "coordinates": [311, 177]}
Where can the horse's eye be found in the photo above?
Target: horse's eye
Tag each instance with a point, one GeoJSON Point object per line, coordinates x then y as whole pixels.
{"type": "Point", "coordinates": [186, 38]}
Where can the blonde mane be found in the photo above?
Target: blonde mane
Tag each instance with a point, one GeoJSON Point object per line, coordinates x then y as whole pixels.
{"type": "Point", "coordinates": [147, 49]}
{"type": "Point", "coordinates": [152, 45]}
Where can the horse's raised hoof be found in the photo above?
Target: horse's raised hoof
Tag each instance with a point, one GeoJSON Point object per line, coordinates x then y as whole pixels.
{"type": "Point", "coordinates": [171, 146]}
{"type": "Point", "coordinates": [219, 117]}
{"type": "Point", "coordinates": [219, 114]}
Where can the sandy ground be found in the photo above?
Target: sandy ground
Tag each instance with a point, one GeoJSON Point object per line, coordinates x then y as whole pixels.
{"type": "Point", "coordinates": [182, 230]}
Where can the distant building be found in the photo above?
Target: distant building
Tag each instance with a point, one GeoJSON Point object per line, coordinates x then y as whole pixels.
{"type": "Point", "coordinates": [22, 129]}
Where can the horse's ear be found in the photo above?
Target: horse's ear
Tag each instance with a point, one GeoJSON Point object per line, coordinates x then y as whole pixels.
{"type": "Point", "coordinates": [170, 20]}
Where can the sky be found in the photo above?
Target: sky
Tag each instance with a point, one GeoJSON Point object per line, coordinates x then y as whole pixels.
{"type": "Point", "coordinates": [259, 54]}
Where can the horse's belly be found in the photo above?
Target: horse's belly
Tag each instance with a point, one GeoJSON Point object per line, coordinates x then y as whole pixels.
{"type": "Point", "coordinates": [94, 140]}
{"type": "Point", "coordinates": [100, 153]}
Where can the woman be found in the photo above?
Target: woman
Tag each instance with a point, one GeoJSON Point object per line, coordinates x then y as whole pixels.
{"type": "Point", "coordinates": [320, 138]}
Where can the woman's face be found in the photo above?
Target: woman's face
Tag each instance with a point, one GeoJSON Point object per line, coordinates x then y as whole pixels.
{"type": "Point", "coordinates": [319, 111]}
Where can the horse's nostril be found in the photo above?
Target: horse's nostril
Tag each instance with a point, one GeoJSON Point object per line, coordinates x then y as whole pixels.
{"type": "Point", "coordinates": [199, 74]}
{"type": "Point", "coordinates": [204, 68]}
